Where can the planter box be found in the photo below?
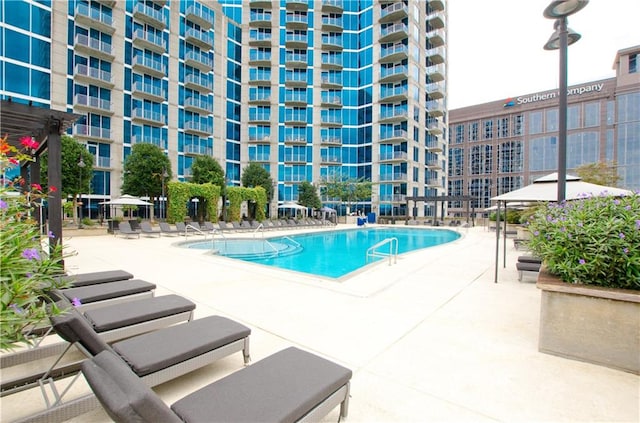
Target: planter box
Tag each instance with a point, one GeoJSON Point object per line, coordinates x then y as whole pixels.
{"type": "Point", "coordinates": [587, 323]}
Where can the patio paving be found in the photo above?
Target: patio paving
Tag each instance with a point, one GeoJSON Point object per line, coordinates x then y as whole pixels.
{"type": "Point", "coordinates": [431, 338]}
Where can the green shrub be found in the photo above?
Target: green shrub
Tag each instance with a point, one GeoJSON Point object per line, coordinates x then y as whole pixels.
{"type": "Point", "coordinates": [593, 241]}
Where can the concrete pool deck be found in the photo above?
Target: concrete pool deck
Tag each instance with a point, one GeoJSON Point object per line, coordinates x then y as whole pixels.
{"type": "Point", "coordinates": [431, 338]}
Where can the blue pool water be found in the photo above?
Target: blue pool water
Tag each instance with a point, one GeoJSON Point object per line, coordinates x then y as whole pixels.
{"type": "Point", "coordinates": [332, 254]}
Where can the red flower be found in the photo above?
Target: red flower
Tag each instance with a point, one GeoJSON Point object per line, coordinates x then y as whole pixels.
{"type": "Point", "coordinates": [52, 189]}
{"type": "Point", "coordinates": [37, 186]}
{"type": "Point", "coordinates": [29, 142]}
{"type": "Point", "coordinates": [13, 161]}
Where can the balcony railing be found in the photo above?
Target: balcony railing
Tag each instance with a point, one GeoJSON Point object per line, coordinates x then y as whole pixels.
{"type": "Point", "coordinates": [102, 162]}
{"type": "Point", "coordinates": [396, 176]}
{"type": "Point", "coordinates": [198, 14]}
{"type": "Point", "coordinates": [199, 80]}
{"type": "Point", "coordinates": [194, 125]}
{"type": "Point", "coordinates": [200, 58]}
{"type": "Point", "coordinates": [150, 38]}
{"type": "Point", "coordinates": [198, 149]}
{"type": "Point", "coordinates": [82, 130]}
{"type": "Point", "coordinates": [141, 11]}
{"type": "Point", "coordinates": [396, 49]}
{"type": "Point", "coordinates": [331, 140]}
{"type": "Point", "coordinates": [148, 115]}
{"type": "Point", "coordinates": [199, 37]}
{"type": "Point", "coordinates": [150, 89]}
{"type": "Point", "coordinates": [94, 102]}
{"type": "Point", "coordinates": [198, 103]}
{"type": "Point", "coordinates": [138, 139]}
{"type": "Point", "coordinates": [397, 133]}
{"type": "Point", "coordinates": [94, 14]}
{"type": "Point", "coordinates": [94, 73]}
{"type": "Point", "coordinates": [93, 43]}
{"type": "Point", "coordinates": [394, 155]}
{"type": "Point", "coordinates": [148, 63]}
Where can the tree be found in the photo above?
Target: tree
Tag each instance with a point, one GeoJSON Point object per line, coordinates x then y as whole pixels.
{"type": "Point", "coordinates": [207, 169]}
{"type": "Point", "coordinates": [308, 195]}
{"type": "Point", "coordinates": [143, 171]}
{"type": "Point", "coordinates": [254, 175]}
{"type": "Point", "coordinates": [76, 179]}
{"type": "Point", "coordinates": [348, 190]}
{"type": "Point", "coordinates": [601, 173]}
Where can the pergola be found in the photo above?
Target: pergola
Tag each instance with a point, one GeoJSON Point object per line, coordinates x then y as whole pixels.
{"type": "Point", "coordinates": [435, 199]}
{"type": "Point", "coordinates": [45, 126]}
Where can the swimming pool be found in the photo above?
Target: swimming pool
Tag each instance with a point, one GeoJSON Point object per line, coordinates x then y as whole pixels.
{"type": "Point", "coordinates": [331, 254]}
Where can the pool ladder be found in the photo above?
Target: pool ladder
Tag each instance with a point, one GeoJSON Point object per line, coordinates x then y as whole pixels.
{"type": "Point", "coordinates": [393, 250]}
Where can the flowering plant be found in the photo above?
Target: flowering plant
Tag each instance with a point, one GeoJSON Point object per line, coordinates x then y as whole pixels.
{"type": "Point", "coordinates": [592, 241]}
{"type": "Point", "coordinates": [27, 270]}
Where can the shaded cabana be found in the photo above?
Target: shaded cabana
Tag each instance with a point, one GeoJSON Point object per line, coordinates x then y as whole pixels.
{"type": "Point", "coordinates": [45, 126]}
{"type": "Point", "coordinates": [327, 212]}
{"type": "Point", "coordinates": [545, 190]}
{"type": "Point", "coordinates": [126, 200]}
{"type": "Point", "coordinates": [293, 207]}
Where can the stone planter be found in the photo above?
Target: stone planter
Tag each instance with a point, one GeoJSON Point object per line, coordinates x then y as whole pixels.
{"type": "Point", "coordinates": [587, 323]}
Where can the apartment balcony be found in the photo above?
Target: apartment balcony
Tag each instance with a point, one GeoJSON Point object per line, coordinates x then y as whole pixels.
{"type": "Point", "coordinates": [393, 177]}
{"type": "Point", "coordinates": [259, 139]}
{"type": "Point", "coordinates": [199, 61]}
{"type": "Point", "coordinates": [260, 4]}
{"type": "Point", "coordinates": [296, 21]}
{"type": "Point", "coordinates": [436, 90]}
{"type": "Point", "coordinates": [394, 74]}
{"type": "Point", "coordinates": [330, 159]}
{"type": "Point", "coordinates": [149, 15]}
{"type": "Point", "coordinates": [198, 105]}
{"type": "Point", "coordinates": [149, 91]}
{"type": "Point", "coordinates": [295, 80]}
{"type": "Point", "coordinates": [260, 98]}
{"type": "Point", "coordinates": [149, 116]}
{"type": "Point", "coordinates": [198, 128]}
{"type": "Point", "coordinates": [287, 178]}
{"type": "Point", "coordinates": [393, 198]}
{"type": "Point", "coordinates": [436, 20]}
{"type": "Point", "coordinates": [394, 156]}
{"type": "Point", "coordinates": [433, 183]}
{"type": "Point", "coordinates": [293, 41]}
{"type": "Point", "coordinates": [259, 117]}
{"type": "Point", "coordinates": [395, 136]}
{"type": "Point", "coordinates": [436, 37]}
{"type": "Point", "coordinates": [187, 172]}
{"type": "Point", "coordinates": [296, 60]}
{"type": "Point", "coordinates": [332, 101]}
{"type": "Point", "coordinates": [94, 18]}
{"type": "Point", "coordinates": [295, 158]}
{"type": "Point", "coordinates": [295, 119]}
{"type": "Point", "coordinates": [435, 127]}
{"type": "Point", "coordinates": [435, 145]}
{"type": "Point", "coordinates": [395, 115]}
{"type": "Point", "coordinates": [197, 150]}
{"type": "Point", "coordinates": [149, 40]}
{"type": "Point", "coordinates": [393, 12]}
{"type": "Point", "coordinates": [334, 43]}
{"type": "Point", "coordinates": [436, 5]}
{"type": "Point", "coordinates": [200, 16]}
{"type": "Point", "coordinates": [260, 78]}
{"type": "Point", "coordinates": [260, 19]}
{"type": "Point", "coordinates": [260, 158]}
{"type": "Point", "coordinates": [435, 108]}
{"type": "Point", "coordinates": [83, 131]}
{"type": "Point", "coordinates": [204, 40]}
{"type": "Point", "coordinates": [396, 53]}
{"type": "Point", "coordinates": [333, 62]}
{"type": "Point", "coordinates": [301, 5]}
{"type": "Point", "coordinates": [260, 58]}
{"type": "Point", "coordinates": [331, 81]}
{"type": "Point", "coordinates": [92, 76]}
{"type": "Point", "coordinates": [394, 95]}
{"type": "Point", "coordinates": [89, 103]}
{"type": "Point", "coordinates": [331, 141]}
{"type": "Point", "coordinates": [109, 3]}
{"type": "Point", "coordinates": [295, 99]}
{"type": "Point", "coordinates": [434, 164]}
{"type": "Point", "coordinates": [295, 140]}
{"type": "Point", "coordinates": [332, 24]}
{"type": "Point", "coordinates": [141, 139]}
{"type": "Point", "coordinates": [161, 3]}
{"type": "Point", "coordinates": [102, 162]}
{"type": "Point", "coordinates": [393, 33]}
{"type": "Point", "coordinates": [436, 72]}
{"type": "Point", "coordinates": [260, 40]}
{"type": "Point", "coordinates": [436, 55]}
{"type": "Point", "coordinates": [94, 47]}
{"type": "Point", "coordinates": [332, 6]}
{"type": "Point", "coordinates": [331, 121]}
{"type": "Point", "coordinates": [149, 66]}
{"type": "Point", "coordinates": [199, 82]}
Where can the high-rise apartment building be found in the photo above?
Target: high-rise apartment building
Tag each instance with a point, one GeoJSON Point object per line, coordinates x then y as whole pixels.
{"type": "Point", "coordinates": [310, 89]}
{"type": "Point", "coordinates": [504, 145]}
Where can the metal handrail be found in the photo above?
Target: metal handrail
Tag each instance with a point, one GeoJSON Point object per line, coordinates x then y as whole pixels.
{"type": "Point", "coordinates": [201, 232]}
{"type": "Point", "coordinates": [297, 244]}
{"type": "Point", "coordinates": [259, 228]}
{"type": "Point", "coordinates": [393, 252]}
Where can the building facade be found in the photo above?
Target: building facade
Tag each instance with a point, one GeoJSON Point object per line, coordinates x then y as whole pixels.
{"type": "Point", "coordinates": [504, 145]}
{"type": "Point", "coordinates": [311, 90]}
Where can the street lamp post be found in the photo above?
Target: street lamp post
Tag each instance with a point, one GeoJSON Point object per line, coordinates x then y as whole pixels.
{"type": "Point", "coordinates": [163, 206]}
{"type": "Point", "coordinates": [560, 40]}
{"type": "Point", "coordinates": [81, 166]}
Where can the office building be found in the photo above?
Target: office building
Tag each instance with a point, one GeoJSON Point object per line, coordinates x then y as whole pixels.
{"type": "Point", "coordinates": [310, 89]}
{"type": "Point", "coordinates": [504, 145]}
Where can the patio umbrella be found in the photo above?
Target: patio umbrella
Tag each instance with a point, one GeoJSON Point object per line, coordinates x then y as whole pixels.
{"type": "Point", "coordinates": [127, 200]}
{"type": "Point", "coordinates": [545, 189]}
{"type": "Point", "coordinates": [295, 207]}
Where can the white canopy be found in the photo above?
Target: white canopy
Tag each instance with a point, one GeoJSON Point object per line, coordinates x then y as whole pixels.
{"type": "Point", "coordinates": [127, 200]}
{"type": "Point", "coordinates": [295, 207]}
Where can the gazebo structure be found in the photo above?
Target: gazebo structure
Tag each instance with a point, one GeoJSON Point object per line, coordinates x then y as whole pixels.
{"type": "Point", "coordinates": [45, 126]}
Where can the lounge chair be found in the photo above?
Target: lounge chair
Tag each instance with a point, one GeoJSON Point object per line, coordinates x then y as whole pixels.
{"type": "Point", "coordinates": [155, 357]}
{"type": "Point", "coordinates": [224, 226]}
{"type": "Point", "coordinates": [209, 227]}
{"type": "Point", "coordinates": [146, 229]}
{"type": "Point", "coordinates": [527, 267]}
{"type": "Point", "coordinates": [288, 386]}
{"type": "Point", "coordinates": [93, 278]}
{"type": "Point", "coordinates": [166, 229]}
{"type": "Point", "coordinates": [125, 229]}
{"type": "Point", "coordinates": [99, 295]}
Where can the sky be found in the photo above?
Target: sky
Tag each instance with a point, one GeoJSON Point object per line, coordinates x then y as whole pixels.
{"type": "Point", "coordinates": [495, 47]}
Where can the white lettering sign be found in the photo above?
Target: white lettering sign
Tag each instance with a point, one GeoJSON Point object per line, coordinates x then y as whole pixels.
{"type": "Point", "coordinates": [553, 94]}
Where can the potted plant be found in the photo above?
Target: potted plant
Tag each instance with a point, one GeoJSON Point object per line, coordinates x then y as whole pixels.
{"type": "Point", "coordinates": [590, 281]}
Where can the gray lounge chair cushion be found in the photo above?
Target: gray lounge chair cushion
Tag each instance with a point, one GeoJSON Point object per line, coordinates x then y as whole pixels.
{"type": "Point", "coordinates": [280, 388]}
{"type": "Point", "coordinates": [139, 311]}
{"type": "Point", "coordinates": [528, 267]}
{"type": "Point", "coordinates": [154, 351]}
{"type": "Point", "coordinates": [529, 259]}
{"type": "Point", "coordinates": [93, 278]}
{"type": "Point", "coordinates": [106, 291]}
{"type": "Point", "coordinates": [124, 396]}
{"type": "Point", "coordinates": [73, 327]}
